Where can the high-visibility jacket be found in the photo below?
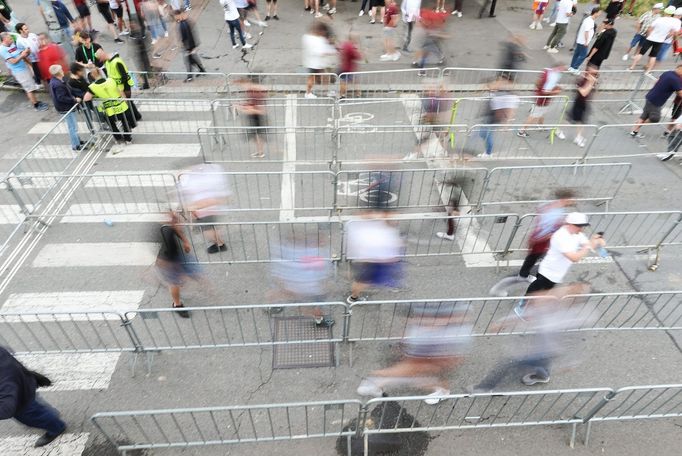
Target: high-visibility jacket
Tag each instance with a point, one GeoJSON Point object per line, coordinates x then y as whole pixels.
{"type": "Point", "coordinates": [108, 91]}
{"type": "Point", "coordinates": [111, 67]}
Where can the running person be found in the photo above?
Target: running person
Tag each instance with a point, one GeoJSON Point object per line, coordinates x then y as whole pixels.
{"type": "Point", "coordinates": [546, 87]}
{"type": "Point", "coordinates": [585, 87]}
{"type": "Point", "coordinates": [660, 30]}
{"type": "Point", "coordinates": [668, 83]}
{"type": "Point", "coordinates": [643, 24]}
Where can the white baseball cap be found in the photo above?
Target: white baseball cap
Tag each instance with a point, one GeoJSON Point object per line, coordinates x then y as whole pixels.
{"type": "Point", "coordinates": [657, 6]}
{"type": "Point", "coordinates": [678, 12]}
{"type": "Point", "coordinates": [669, 10]}
{"type": "Point", "coordinates": [577, 218]}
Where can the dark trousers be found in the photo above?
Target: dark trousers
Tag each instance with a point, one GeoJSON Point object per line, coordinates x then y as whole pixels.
{"type": "Point", "coordinates": [36, 72]}
{"type": "Point", "coordinates": [365, 3]}
{"type": "Point", "coordinates": [528, 263]}
{"type": "Point", "coordinates": [458, 5]}
{"type": "Point", "coordinates": [39, 414]}
{"type": "Point", "coordinates": [408, 38]}
{"type": "Point", "coordinates": [236, 26]}
{"type": "Point", "coordinates": [192, 60]}
{"type": "Point", "coordinates": [129, 94]}
{"type": "Point", "coordinates": [127, 124]}
{"type": "Point", "coordinates": [542, 283]}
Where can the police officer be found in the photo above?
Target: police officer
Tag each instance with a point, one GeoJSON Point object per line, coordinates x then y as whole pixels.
{"type": "Point", "coordinates": [18, 399]}
{"type": "Point", "coordinates": [112, 105]}
{"type": "Point", "coordinates": [117, 70]}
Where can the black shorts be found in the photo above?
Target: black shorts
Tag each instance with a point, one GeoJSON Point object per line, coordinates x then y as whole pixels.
{"type": "Point", "coordinates": [651, 112]}
{"type": "Point", "coordinates": [104, 10]}
{"type": "Point", "coordinates": [83, 10]}
{"type": "Point", "coordinates": [578, 112]}
{"type": "Point", "coordinates": [118, 12]}
{"type": "Point", "coordinates": [257, 121]}
{"type": "Point", "coordinates": [677, 110]}
{"type": "Point", "coordinates": [650, 45]}
{"type": "Point", "coordinates": [377, 3]}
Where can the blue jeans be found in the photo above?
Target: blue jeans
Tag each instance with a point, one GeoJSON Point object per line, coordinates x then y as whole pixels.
{"type": "Point", "coordinates": [234, 25]}
{"type": "Point", "coordinates": [41, 415]}
{"type": "Point", "coordinates": [578, 56]}
{"type": "Point", "coordinates": [187, 5]}
{"type": "Point", "coordinates": [663, 51]}
{"type": "Point", "coordinates": [486, 135]}
{"type": "Point", "coordinates": [72, 125]}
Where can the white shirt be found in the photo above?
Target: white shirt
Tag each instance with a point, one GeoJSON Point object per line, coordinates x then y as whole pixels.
{"type": "Point", "coordinates": [586, 26]}
{"type": "Point", "coordinates": [373, 241]}
{"type": "Point", "coordinates": [661, 27]}
{"type": "Point", "coordinates": [230, 9]}
{"type": "Point", "coordinates": [30, 42]}
{"type": "Point", "coordinates": [410, 9]}
{"type": "Point", "coordinates": [113, 4]}
{"type": "Point", "coordinates": [317, 52]}
{"type": "Point", "coordinates": [555, 265]}
{"type": "Point", "coordinates": [241, 3]}
{"type": "Point", "coordinates": [565, 8]}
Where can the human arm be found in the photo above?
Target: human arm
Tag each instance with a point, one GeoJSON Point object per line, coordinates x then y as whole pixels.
{"type": "Point", "coordinates": [22, 55]}
{"type": "Point", "coordinates": [595, 241]}
{"type": "Point", "coordinates": [124, 76]}
{"type": "Point", "coordinates": [587, 86]}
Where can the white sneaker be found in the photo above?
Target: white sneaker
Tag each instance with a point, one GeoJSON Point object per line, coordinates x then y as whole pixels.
{"type": "Point", "coordinates": [235, 46]}
{"type": "Point", "coordinates": [435, 398]}
{"type": "Point", "coordinates": [454, 13]}
{"type": "Point", "coordinates": [165, 34]}
{"type": "Point", "coordinates": [154, 42]}
{"type": "Point", "coordinates": [532, 26]}
{"type": "Point", "coordinates": [560, 134]}
{"type": "Point", "coordinates": [247, 36]}
{"type": "Point", "coordinates": [538, 26]}
{"type": "Point", "coordinates": [310, 95]}
{"type": "Point", "coordinates": [326, 7]}
{"type": "Point", "coordinates": [459, 13]}
{"type": "Point", "coordinates": [410, 156]}
{"type": "Point", "coordinates": [545, 19]}
{"type": "Point", "coordinates": [262, 24]}
{"type": "Point", "coordinates": [580, 141]}
{"type": "Point", "coordinates": [247, 23]}
{"type": "Point", "coordinates": [552, 51]}
{"type": "Point", "coordinates": [318, 14]}
{"type": "Point", "coordinates": [665, 156]}
{"type": "Point", "coordinates": [625, 57]}
{"type": "Point", "coordinates": [332, 11]}
{"type": "Point", "coordinates": [395, 56]}
{"type": "Point", "coordinates": [385, 57]}
{"type": "Point", "coordinates": [368, 388]}
{"type": "Point", "coordinates": [484, 155]}
{"type": "Point", "coordinates": [361, 13]}
{"type": "Point", "coordinates": [545, 47]}
{"type": "Point", "coordinates": [248, 46]}
{"type": "Point", "coordinates": [553, 24]}
{"type": "Point", "coordinates": [125, 32]}
{"type": "Point", "coordinates": [446, 236]}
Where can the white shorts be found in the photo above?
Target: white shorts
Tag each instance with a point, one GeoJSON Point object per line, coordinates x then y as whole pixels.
{"type": "Point", "coordinates": [539, 111]}
{"type": "Point", "coordinates": [25, 78]}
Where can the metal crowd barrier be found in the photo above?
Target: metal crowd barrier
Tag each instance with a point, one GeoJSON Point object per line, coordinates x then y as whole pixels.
{"type": "Point", "coordinates": [201, 427]}
{"type": "Point", "coordinates": [390, 82]}
{"type": "Point", "coordinates": [163, 82]}
{"type": "Point", "coordinates": [614, 140]}
{"type": "Point", "coordinates": [291, 111]}
{"type": "Point", "coordinates": [597, 183]}
{"type": "Point", "coordinates": [286, 83]}
{"type": "Point", "coordinates": [352, 419]}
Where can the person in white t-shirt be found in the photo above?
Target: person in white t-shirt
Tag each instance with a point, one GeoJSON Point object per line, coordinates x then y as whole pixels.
{"type": "Point", "coordinates": [28, 40]}
{"type": "Point", "coordinates": [565, 11]}
{"type": "Point", "coordinates": [661, 29]}
{"type": "Point", "coordinates": [318, 53]}
{"type": "Point", "coordinates": [567, 245]}
{"type": "Point", "coordinates": [585, 35]}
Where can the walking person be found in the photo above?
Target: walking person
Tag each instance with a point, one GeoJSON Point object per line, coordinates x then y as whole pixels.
{"type": "Point", "coordinates": [550, 217]}
{"type": "Point", "coordinates": [391, 20]}
{"type": "Point", "coordinates": [349, 56]}
{"type": "Point", "coordinates": [660, 29]}
{"type": "Point", "coordinates": [457, 10]}
{"type": "Point", "coordinates": [317, 54]}
{"type": "Point", "coordinates": [643, 24]}
{"type": "Point", "coordinates": [568, 245]}
{"type": "Point", "coordinates": [584, 88]}
{"type": "Point", "coordinates": [410, 10]}
{"type": "Point", "coordinates": [117, 70]}
{"type": "Point", "coordinates": [613, 9]}
{"type": "Point", "coordinates": [84, 13]}
{"type": "Point", "coordinates": [501, 108]}
{"type": "Point", "coordinates": [539, 8]}
{"type": "Point", "coordinates": [190, 44]}
{"type": "Point", "coordinates": [15, 59]}
{"type": "Point", "coordinates": [601, 49]}
{"type": "Point", "coordinates": [118, 8]}
{"type": "Point", "coordinates": [668, 83]}
{"type": "Point", "coordinates": [105, 12]}
{"type": "Point", "coordinates": [64, 101]}
{"type": "Point", "coordinates": [28, 40]}
{"type": "Point", "coordinates": [50, 54]}
{"type": "Point", "coordinates": [19, 399]}
{"type": "Point", "coordinates": [378, 6]}
{"type": "Point", "coordinates": [585, 35]}
{"type": "Point", "coordinates": [564, 13]}
{"type": "Point", "coordinates": [668, 42]}
{"type": "Point", "coordinates": [232, 19]}
{"type": "Point", "coordinates": [254, 107]}
{"type": "Point", "coordinates": [271, 10]}
{"type": "Point", "coordinates": [546, 87]}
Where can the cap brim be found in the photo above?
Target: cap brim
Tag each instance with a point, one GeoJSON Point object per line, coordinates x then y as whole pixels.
{"type": "Point", "coordinates": [580, 224]}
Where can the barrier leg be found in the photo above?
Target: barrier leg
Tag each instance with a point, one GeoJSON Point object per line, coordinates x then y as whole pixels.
{"type": "Point", "coordinates": [574, 430]}
{"type": "Point", "coordinates": [366, 444]}
{"type": "Point", "coordinates": [348, 448]}
{"type": "Point", "coordinates": [133, 364]}
{"type": "Point", "coordinates": [586, 440]}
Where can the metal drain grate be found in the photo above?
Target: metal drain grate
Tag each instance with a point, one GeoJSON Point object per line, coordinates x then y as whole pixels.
{"type": "Point", "coordinates": [298, 328]}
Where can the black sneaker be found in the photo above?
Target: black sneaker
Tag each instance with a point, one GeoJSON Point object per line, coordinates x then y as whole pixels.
{"type": "Point", "coordinates": [275, 17]}
{"type": "Point", "coordinates": [636, 134]}
{"type": "Point", "coordinates": [40, 106]}
{"type": "Point", "coordinates": [532, 379]}
{"type": "Point", "coordinates": [118, 40]}
{"type": "Point", "coordinates": [46, 439]}
{"type": "Point", "coordinates": [181, 313]}
{"type": "Point", "coordinates": [189, 79]}
{"type": "Point", "coordinates": [307, 9]}
{"type": "Point", "coordinates": [267, 18]}
{"type": "Point", "coordinates": [325, 321]}
{"type": "Point", "coordinates": [214, 248]}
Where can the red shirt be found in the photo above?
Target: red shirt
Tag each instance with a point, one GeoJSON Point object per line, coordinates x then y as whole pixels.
{"type": "Point", "coordinates": [348, 56]}
{"type": "Point", "coordinates": [390, 11]}
{"type": "Point", "coordinates": [50, 55]}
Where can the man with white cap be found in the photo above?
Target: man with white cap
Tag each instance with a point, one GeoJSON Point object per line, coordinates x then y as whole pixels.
{"type": "Point", "coordinates": [643, 24]}
{"type": "Point", "coordinates": [659, 31]}
{"type": "Point", "coordinates": [668, 42]}
{"type": "Point", "coordinates": [567, 245]}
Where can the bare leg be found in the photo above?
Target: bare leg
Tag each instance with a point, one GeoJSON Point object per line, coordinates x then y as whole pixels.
{"type": "Point", "coordinates": [652, 63]}
{"type": "Point", "coordinates": [175, 294]}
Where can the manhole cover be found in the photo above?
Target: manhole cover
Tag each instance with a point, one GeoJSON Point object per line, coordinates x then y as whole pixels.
{"type": "Point", "coordinates": [298, 328]}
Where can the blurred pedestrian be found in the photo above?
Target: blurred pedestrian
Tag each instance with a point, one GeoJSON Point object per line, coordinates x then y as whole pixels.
{"type": "Point", "coordinates": [613, 9]}
{"type": "Point", "coordinates": [7, 17]}
{"type": "Point", "coordinates": [15, 59]}
{"type": "Point", "coordinates": [550, 217]}
{"type": "Point", "coordinates": [378, 7]}
{"type": "Point", "coordinates": [513, 54]}
{"type": "Point", "coordinates": [436, 340]}
{"type": "Point", "coordinates": [28, 40]}
{"type": "Point", "coordinates": [457, 10]}
{"type": "Point", "coordinates": [374, 247]}
{"type": "Point", "coordinates": [118, 8]}
{"type": "Point", "coordinates": [103, 8]}
{"type": "Point", "coordinates": [317, 54]}
{"type": "Point", "coordinates": [501, 108]}
{"type": "Point", "coordinates": [84, 13]}
{"type": "Point", "coordinates": [113, 105]}
{"type": "Point", "coordinates": [19, 400]}
{"type": "Point", "coordinates": [149, 10]}
{"type": "Point", "coordinates": [587, 11]}
{"type": "Point", "coordinates": [391, 20]}
{"type": "Point", "coordinates": [231, 15]}
{"type": "Point", "coordinates": [585, 86]}
{"type": "Point", "coordinates": [175, 262]}
{"type": "Point", "coordinates": [546, 87]}
{"type": "Point", "coordinates": [118, 71]}
{"type": "Point", "coordinates": [410, 10]}
{"type": "Point", "coordinates": [349, 56]}
{"type": "Point", "coordinates": [659, 31]}
{"type": "Point", "coordinates": [564, 13]}
{"type": "Point", "coordinates": [190, 44]}
{"type": "Point", "coordinates": [433, 109]}
{"type": "Point", "coordinates": [64, 101]}
{"type": "Point", "coordinates": [50, 54]}
{"type": "Point", "coordinates": [601, 49]}
{"type": "Point", "coordinates": [643, 24]}
{"type": "Point", "coordinates": [254, 107]}
{"type": "Point", "coordinates": [432, 35]}
{"type": "Point", "coordinates": [539, 8]}
{"type": "Point", "coordinates": [568, 245]}
{"type": "Point", "coordinates": [668, 83]}
{"type": "Point", "coordinates": [585, 35]}
{"type": "Point", "coordinates": [668, 42]}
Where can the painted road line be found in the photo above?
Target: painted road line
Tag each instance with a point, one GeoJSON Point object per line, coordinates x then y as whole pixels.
{"type": "Point", "coordinates": [96, 254]}
{"type": "Point", "coordinates": [116, 212]}
{"type": "Point", "coordinates": [161, 127]}
{"type": "Point", "coordinates": [64, 445]}
{"type": "Point", "coordinates": [31, 180]}
{"type": "Point", "coordinates": [125, 179]}
{"type": "Point", "coordinates": [10, 214]}
{"type": "Point", "coordinates": [157, 151]}
{"type": "Point", "coordinates": [288, 192]}
{"type": "Point", "coordinates": [44, 152]}
{"type": "Point", "coordinates": [74, 371]}
{"type": "Point", "coordinates": [119, 301]}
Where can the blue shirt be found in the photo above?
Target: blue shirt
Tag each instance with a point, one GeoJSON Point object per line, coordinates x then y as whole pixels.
{"type": "Point", "coordinates": [667, 84]}
{"type": "Point", "coordinates": [12, 52]}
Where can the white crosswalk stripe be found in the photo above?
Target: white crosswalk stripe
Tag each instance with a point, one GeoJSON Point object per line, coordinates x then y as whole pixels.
{"type": "Point", "coordinates": [65, 445]}
{"type": "Point", "coordinates": [72, 301]}
{"type": "Point", "coordinates": [73, 371]}
{"type": "Point", "coordinates": [157, 151]}
{"type": "Point", "coordinates": [96, 254]}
